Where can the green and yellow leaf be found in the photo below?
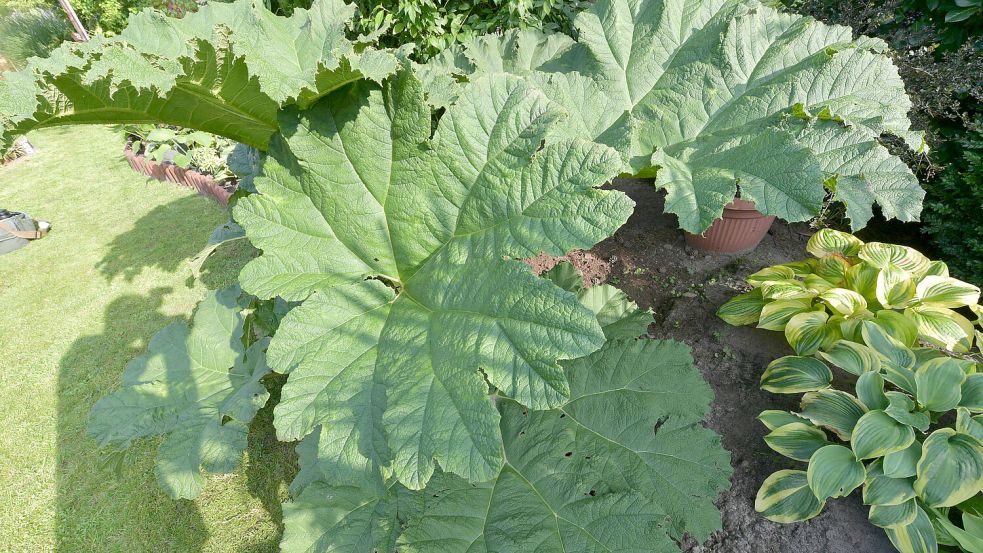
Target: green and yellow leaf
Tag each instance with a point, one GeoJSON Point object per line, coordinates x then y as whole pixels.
{"type": "Point", "coordinates": [950, 469]}
{"type": "Point", "coordinates": [743, 309]}
{"type": "Point", "coordinates": [876, 434]}
{"type": "Point", "coordinates": [810, 332]}
{"type": "Point", "coordinates": [838, 411]}
{"type": "Point", "coordinates": [852, 357]}
{"type": "Point", "coordinates": [942, 327]}
{"type": "Point", "coordinates": [793, 374]}
{"type": "Point", "coordinates": [785, 497]}
{"type": "Point", "coordinates": [796, 440]}
{"type": "Point", "coordinates": [834, 471]}
{"type": "Point", "coordinates": [827, 241]}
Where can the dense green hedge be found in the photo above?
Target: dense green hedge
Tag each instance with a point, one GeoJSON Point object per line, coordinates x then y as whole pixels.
{"type": "Point", "coordinates": [954, 205]}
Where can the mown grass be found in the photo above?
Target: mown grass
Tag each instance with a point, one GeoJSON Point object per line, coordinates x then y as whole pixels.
{"type": "Point", "coordinates": [74, 308]}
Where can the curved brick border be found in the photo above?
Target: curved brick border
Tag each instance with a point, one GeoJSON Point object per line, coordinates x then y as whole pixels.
{"type": "Point", "coordinates": [204, 184]}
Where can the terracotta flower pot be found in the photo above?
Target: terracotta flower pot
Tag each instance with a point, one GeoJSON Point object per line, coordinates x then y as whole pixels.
{"type": "Point", "coordinates": [741, 229]}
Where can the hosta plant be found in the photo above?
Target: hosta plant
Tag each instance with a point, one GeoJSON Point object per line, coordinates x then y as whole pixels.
{"type": "Point", "coordinates": [904, 424]}
{"type": "Point", "coordinates": [711, 96]}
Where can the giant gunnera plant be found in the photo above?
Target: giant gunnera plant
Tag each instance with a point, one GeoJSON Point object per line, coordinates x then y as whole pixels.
{"type": "Point", "coordinates": [444, 397]}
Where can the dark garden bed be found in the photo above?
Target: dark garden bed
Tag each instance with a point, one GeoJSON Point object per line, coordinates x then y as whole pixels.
{"type": "Point", "coordinates": [649, 260]}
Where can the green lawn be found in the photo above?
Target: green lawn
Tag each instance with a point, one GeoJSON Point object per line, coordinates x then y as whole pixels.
{"type": "Point", "coordinates": [74, 308]}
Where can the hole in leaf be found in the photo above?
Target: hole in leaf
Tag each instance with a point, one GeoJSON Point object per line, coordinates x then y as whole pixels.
{"type": "Point", "coordinates": [659, 423]}
{"type": "Point", "coordinates": [567, 454]}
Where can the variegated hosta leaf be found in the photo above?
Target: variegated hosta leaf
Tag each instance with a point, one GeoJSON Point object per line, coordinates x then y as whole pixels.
{"type": "Point", "coordinates": [904, 463]}
{"type": "Point", "coordinates": [774, 272]}
{"type": "Point", "coordinates": [903, 409]}
{"type": "Point", "coordinates": [838, 411]}
{"type": "Point", "coordinates": [852, 357]}
{"type": "Point", "coordinates": [876, 434]}
{"type": "Point", "coordinates": [773, 419]}
{"type": "Point", "coordinates": [828, 242]}
{"type": "Point", "coordinates": [810, 332]}
{"type": "Point", "coordinates": [423, 218]}
{"type": "Point", "coordinates": [198, 387]}
{"type": "Point", "coordinates": [882, 255]}
{"type": "Point", "coordinates": [225, 69]}
{"type": "Point", "coordinates": [793, 374]}
{"type": "Point", "coordinates": [796, 440]}
{"type": "Point", "coordinates": [624, 465]}
{"type": "Point", "coordinates": [971, 395]}
{"type": "Point", "coordinates": [915, 537]}
{"type": "Point", "coordinates": [944, 291]}
{"type": "Point", "coordinates": [943, 327]}
{"type": "Point", "coordinates": [862, 278]}
{"type": "Point", "coordinates": [777, 314]}
{"type": "Point", "coordinates": [898, 326]}
{"type": "Point", "coordinates": [950, 469]}
{"type": "Point", "coordinates": [870, 390]}
{"type": "Point", "coordinates": [788, 289]}
{"type": "Point", "coordinates": [938, 384]}
{"type": "Point", "coordinates": [844, 302]}
{"type": "Point", "coordinates": [893, 516]}
{"type": "Point", "coordinates": [832, 269]}
{"type": "Point", "coordinates": [892, 351]}
{"type": "Point", "coordinates": [785, 497]}
{"type": "Point", "coordinates": [834, 471]}
{"type": "Point", "coordinates": [895, 287]}
{"type": "Point", "coordinates": [880, 489]}
{"type": "Point", "coordinates": [619, 317]}
{"type": "Point", "coordinates": [743, 309]}
{"type": "Point", "coordinates": [726, 93]}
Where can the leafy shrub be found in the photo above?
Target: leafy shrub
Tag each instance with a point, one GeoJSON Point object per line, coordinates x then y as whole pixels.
{"type": "Point", "coordinates": [186, 148]}
{"type": "Point", "coordinates": [888, 317]}
{"type": "Point", "coordinates": [955, 21]}
{"type": "Point", "coordinates": [436, 384]}
{"type": "Point", "coordinates": [434, 25]}
{"type": "Point", "coordinates": [36, 32]}
{"type": "Point", "coordinates": [954, 202]}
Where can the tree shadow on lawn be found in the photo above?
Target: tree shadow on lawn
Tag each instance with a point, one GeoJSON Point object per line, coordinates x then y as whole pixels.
{"type": "Point", "coordinates": [164, 238]}
{"type": "Point", "coordinates": [101, 507]}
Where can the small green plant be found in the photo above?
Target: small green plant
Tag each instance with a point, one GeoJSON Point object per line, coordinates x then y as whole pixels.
{"type": "Point", "coordinates": [910, 432]}
{"type": "Point", "coordinates": [186, 148]}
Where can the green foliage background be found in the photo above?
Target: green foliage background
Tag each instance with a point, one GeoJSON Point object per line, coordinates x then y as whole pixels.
{"type": "Point", "coordinates": [34, 32]}
{"type": "Point", "coordinates": [436, 24]}
{"type": "Point", "coordinates": [955, 202]}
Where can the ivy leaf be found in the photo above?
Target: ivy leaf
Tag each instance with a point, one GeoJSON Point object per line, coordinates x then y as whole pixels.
{"type": "Point", "coordinates": [199, 387]}
{"type": "Point", "coordinates": [421, 217]}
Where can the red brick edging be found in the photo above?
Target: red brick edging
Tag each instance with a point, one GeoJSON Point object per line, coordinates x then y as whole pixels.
{"type": "Point", "coordinates": [204, 184]}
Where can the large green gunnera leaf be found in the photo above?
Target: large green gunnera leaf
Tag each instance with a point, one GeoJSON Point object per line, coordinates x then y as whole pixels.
{"type": "Point", "coordinates": [623, 465]}
{"type": "Point", "coordinates": [712, 95]}
{"type": "Point", "coordinates": [225, 69]}
{"type": "Point", "coordinates": [398, 237]}
{"type": "Point", "coordinates": [198, 387]}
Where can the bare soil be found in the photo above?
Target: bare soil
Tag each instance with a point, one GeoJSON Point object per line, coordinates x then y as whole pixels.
{"type": "Point", "coordinates": [647, 258]}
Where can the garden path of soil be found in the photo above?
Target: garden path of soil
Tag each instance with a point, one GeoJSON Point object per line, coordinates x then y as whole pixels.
{"type": "Point", "coordinates": [648, 259]}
